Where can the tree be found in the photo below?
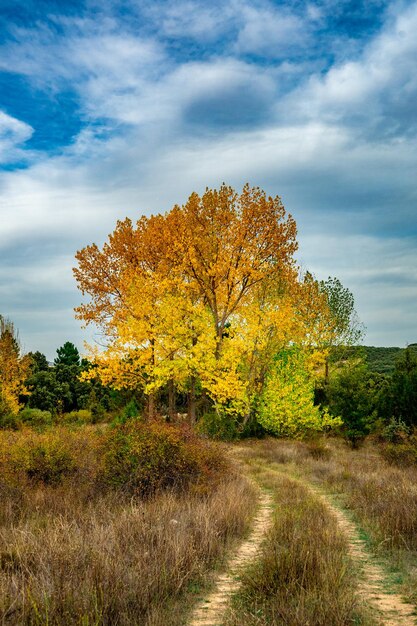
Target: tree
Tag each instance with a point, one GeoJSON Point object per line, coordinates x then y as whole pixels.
{"type": "Point", "coordinates": [353, 395]}
{"type": "Point", "coordinates": [47, 393]}
{"type": "Point", "coordinates": [38, 362]}
{"type": "Point", "coordinates": [286, 406]}
{"type": "Point", "coordinates": [67, 355]}
{"type": "Point", "coordinates": [346, 329]}
{"type": "Point", "coordinates": [403, 391]}
{"type": "Point", "coordinates": [166, 292]}
{"type": "Point", "coordinates": [13, 368]}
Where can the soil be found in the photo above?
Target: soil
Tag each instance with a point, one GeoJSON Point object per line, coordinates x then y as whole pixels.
{"type": "Point", "coordinates": [212, 609]}
{"type": "Point", "coordinates": [374, 587]}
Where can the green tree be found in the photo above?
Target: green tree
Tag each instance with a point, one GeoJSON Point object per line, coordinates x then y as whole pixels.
{"type": "Point", "coordinates": [352, 395]}
{"type": "Point", "coordinates": [347, 329]}
{"type": "Point", "coordinates": [403, 392]}
{"type": "Point", "coordinates": [47, 393]}
{"type": "Point", "coordinates": [286, 406]}
{"type": "Point", "coordinates": [38, 362]}
{"type": "Point", "coordinates": [67, 355]}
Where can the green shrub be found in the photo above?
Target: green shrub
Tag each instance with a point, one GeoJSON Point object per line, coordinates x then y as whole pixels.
{"type": "Point", "coordinates": [9, 421]}
{"type": "Point", "coordinates": [131, 410]}
{"type": "Point", "coordinates": [400, 454]}
{"type": "Point", "coordinates": [218, 426]}
{"type": "Point", "coordinates": [35, 418]}
{"type": "Point", "coordinates": [396, 431]}
{"type": "Point", "coordinates": [48, 461]}
{"type": "Point", "coordinates": [83, 416]}
{"type": "Point", "coordinates": [143, 458]}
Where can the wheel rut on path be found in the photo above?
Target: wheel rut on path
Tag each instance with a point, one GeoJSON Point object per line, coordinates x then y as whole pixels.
{"type": "Point", "coordinates": [211, 610]}
{"type": "Point", "coordinates": [373, 588]}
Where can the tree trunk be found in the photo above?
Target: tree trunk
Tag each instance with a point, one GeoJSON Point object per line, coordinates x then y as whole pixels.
{"type": "Point", "coordinates": [151, 405]}
{"type": "Point", "coordinates": [191, 401]}
{"type": "Point", "coordinates": [171, 400]}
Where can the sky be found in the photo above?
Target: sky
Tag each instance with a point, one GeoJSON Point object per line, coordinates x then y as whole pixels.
{"type": "Point", "coordinates": [123, 108]}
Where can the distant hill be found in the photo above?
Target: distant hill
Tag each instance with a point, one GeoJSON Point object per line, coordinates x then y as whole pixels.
{"type": "Point", "coordinates": [382, 360]}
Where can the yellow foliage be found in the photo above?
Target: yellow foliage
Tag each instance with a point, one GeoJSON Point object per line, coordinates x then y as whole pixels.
{"type": "Point", "coordinates": [209, 291]}
{"type": "Point", "coordinates": [13, 368]}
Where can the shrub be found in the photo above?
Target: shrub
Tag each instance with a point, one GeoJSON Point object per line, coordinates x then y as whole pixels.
{"type": "Point", "coordinates": [35, 418]}
{"type": "Point", "coordinates": [131, 410]}
{"type": "Point", "coordinates": [400, 454]}
{"type": "Point", "coordinates": [396, 431]}
{"type": "Point", "coordinates": [49, 457]}
{"type": "Point", "coordinates": [83, 416]}
{"type": "Point", "coordinates": [9, 421]}
{"type": "Point", "coordinates": [142, 458]}
{"type": "Point", "coordinates": [49, 462]}
{"type": "Point", "coordinates": [218, 426]}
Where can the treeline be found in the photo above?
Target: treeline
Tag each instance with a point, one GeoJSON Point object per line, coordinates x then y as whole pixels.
{"type": "Point", "coordinates": [383, 360]}
{"type": "Point", "coordinates": [204, 311]}
{"type": "Point", "coordinates": [37, 393]}
{"type": "Point", "coordinates": [349, 388]}
{"type": "Point", "coordinates": [369, 401]}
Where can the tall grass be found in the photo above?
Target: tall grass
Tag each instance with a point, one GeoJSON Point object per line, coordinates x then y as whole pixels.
{"type": "Point", "coordinates": [381, 497]}
{"type": "Point", "coordinates": [303, 575]}
{"type": "Point", "coordinates": [77, 551]}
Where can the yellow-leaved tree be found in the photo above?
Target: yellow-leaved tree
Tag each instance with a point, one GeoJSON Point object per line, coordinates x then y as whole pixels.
{"type": "Point", "coordinates": [287, 402]}
{"type": "Point", "coordinates": [200, 299]}
{"type": "Point", "coordinates": [13, 368]}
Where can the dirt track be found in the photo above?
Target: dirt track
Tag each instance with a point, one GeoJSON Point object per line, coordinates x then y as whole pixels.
{"type": "Point", "coordinates": [211, 610]}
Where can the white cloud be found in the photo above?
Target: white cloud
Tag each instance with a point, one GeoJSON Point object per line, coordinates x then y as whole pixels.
{"type": "Point", "coordinates": [334, 182]}
{"type": "Point", "coordinates": [13, 133]}
{"type": "Point", "coordinates": [381, 85]}
{"type": "Point", "coordinates": [269, 31]}
{"type": "Point", "coordinates": [190, 19]}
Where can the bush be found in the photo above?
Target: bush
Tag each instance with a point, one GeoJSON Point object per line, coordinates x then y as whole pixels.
{"type": "Point", "coordinates": [9, 421]}
{"type": "Point", "coordinates": [83, 416]}
{"type": "Point", "coordinates": [218, 426]}
{"type": "Point", "coordinates": [400, 454]}
{"type": "Point", "coordinates": [143, 458]}
{"type": "Point", "coordinates": [35, 418]}
{"type": "Point", "coordinates": [396, 431]}
{"type": "Point", "coordinates": [49, 457]}
{"type": "Point", "coordinates": [49, 462]}
{"type": "Point", "coordinates": [131, 410]}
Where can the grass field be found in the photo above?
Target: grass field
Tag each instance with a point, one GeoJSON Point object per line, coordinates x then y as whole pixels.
{"type": "Point", "coordinates": [78, 549]}
{"type": "Point", "coordinates": [75, 551]}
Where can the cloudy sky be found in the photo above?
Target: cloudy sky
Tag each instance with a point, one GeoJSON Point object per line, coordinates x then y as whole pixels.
{"type": "Point", "coordinates": [115, 108]}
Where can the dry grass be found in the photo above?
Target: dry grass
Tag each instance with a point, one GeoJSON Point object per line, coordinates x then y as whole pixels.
{"type": "Point", "coordinates": [304, 575]}
{"type": "Point", "coordinates": [382, 498]}
{"type": "Point", "coordinates": [73, 553]}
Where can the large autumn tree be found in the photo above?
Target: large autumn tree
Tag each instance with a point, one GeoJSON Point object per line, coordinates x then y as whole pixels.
{"type": "Point", "coordinates": [179, 296]}
{"type": "Point", "coordinates": [201, 299]}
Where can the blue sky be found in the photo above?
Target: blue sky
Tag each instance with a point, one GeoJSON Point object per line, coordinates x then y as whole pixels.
{"type": "Point", "coordinates": [110, 109]}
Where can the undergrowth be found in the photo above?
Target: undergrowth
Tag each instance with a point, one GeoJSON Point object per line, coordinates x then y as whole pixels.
{"type": "Point", "coordinates": [87, 538]}
{"type": "Point", "coordinates": [381, 494]}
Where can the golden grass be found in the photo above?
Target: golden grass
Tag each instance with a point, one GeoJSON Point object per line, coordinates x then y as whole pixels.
{"type": "Point", "coordinates": [74, 553]}
{"type": "Point", "coordinates": [304, 574]}
{"type": "Point", "coordinates": [382, 498]}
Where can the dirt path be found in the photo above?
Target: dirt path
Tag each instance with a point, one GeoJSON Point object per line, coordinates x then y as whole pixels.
{"type": "Point", "coordinates": [211, 610]}
{"type": "Point", "coordinates": [374, 588]}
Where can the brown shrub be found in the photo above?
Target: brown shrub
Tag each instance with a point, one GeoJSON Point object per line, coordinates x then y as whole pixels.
{"type": "Point", "coordinates": [142, 458]}
{"type": "Point", "coordinates": [79, 551]}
